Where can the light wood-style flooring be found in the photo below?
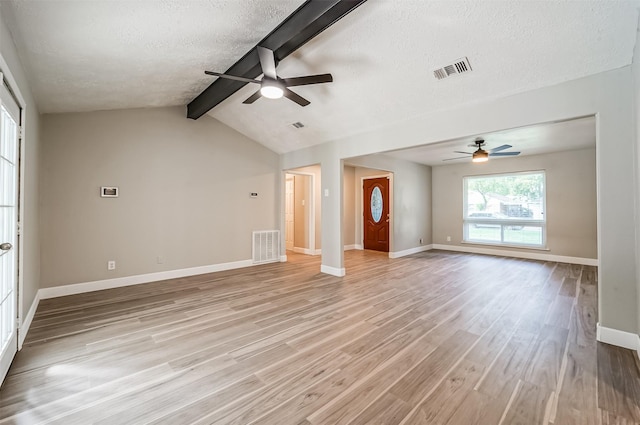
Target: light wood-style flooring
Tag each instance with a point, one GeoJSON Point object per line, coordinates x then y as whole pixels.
{"type": "Point", "coordinates": [433, 338]}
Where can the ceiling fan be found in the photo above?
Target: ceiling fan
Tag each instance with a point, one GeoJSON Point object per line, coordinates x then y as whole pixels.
{"type": "Point", "coordinates": [272, 86]}
{"type": "Point", "coordinates": [481, 155]}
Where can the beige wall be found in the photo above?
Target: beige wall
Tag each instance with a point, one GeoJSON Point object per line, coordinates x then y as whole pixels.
{"type": "Point", "coordinates": [184, 193]}
{"type": "Point", "coordinates": [636, 116]}
{"type": "Point", "coordinates": [570, 203]}
{"type": "Point", "coordinates": [349, 205]}
{"type": "Point", "coordinates": [31, 177]}
{"type": "Point", "coordinates": [302, 211]}
{"type": "Point", "coordinates": [410, 199]}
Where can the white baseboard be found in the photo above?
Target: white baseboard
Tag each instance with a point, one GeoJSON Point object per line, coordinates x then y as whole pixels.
{"type": "Point", "coordinates": [519, 254]}
{"type": "Point", "coordinates": [620, 338]}
{"type": "Point", "coordinates": [79, 288]}
{"type": "Point", "coordinates": [334, 271]}
{"type": "Point", "coordinates": [283, 258]}
{"type": "Point", "coordinates": [26, 322]}
{"type": "Point", "coordinates": [398, 254]}
{"type": "Point", "coordinates": [358, 247]}
{"type": "Point", "coordinates": [308, 251]}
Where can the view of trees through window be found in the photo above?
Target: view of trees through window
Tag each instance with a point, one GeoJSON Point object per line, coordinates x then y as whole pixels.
{"type": "Point", "coordinates": [505, 209]}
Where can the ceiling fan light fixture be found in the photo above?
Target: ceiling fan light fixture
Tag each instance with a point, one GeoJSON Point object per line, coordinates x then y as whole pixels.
{"type": "Point", "coordinates": [480, 156]}
{"type": "Point", "coordinates": [271, 89]}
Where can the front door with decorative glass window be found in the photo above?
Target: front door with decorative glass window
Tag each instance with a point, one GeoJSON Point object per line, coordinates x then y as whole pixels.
{"type": "Point", "coordinates": [376, 214]}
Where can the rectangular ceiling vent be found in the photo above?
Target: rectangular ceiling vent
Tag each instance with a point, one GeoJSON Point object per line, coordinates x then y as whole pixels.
{"type": "Point", "coordinates": [458, 67]}
{"type": "Point", "coordinates": [298, 124]}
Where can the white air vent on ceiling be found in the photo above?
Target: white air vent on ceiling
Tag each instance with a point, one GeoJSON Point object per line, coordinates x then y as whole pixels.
{"type": "Point", "coordinates": [458, 67]}
{"type": "Point", "coordinates": [266, 246]}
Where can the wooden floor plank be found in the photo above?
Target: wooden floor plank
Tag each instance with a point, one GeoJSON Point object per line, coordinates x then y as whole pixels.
{"type": "Point", "coordinates": [618, 386]}
{"type": "Point", "coordinates": [529, 405]}
{"type": "Point", "coordinates": [421, 379]}
{"type": "Point", "coordinates": [577, 399]}
{"type": "Point", "coordinates": [436, 338]}
{"type": "Point", "coordinates": [443, 403]}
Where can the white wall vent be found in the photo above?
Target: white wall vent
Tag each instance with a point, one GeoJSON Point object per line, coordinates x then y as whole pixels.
{"type": "Point", "coordinates": [266, 246]}
{"type": "Point", "coordinates": [458, 67]}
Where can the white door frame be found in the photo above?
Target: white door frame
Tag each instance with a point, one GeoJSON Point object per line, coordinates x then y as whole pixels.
{"type": "Point", "coordinates": [4, 68]}
{"type": "Point", "coordinates": [311, 204]}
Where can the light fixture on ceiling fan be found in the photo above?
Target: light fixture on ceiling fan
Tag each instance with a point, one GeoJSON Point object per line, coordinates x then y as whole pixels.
{"type": "Point", "coordinates": [481, 155]}
{"type": "Point", "coordinates": [271, 89]}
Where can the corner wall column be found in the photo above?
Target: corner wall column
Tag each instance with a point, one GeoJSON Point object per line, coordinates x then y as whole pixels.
{"type": "Point", "coordinates": [332, 199]}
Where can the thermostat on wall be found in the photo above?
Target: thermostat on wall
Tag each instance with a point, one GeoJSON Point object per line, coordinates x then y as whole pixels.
{"type": "Point", "coordinates": [109, 192]}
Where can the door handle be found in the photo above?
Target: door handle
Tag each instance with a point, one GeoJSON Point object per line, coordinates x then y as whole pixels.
{"type": "Point", "coordinates": [6, 246]}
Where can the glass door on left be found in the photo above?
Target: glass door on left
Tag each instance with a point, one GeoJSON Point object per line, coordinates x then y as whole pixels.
{"type": "Point", "coordinates": [9, 183]}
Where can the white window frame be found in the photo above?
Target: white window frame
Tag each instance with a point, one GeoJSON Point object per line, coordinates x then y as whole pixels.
{"type": "Point", "coordinates": [504, 223]}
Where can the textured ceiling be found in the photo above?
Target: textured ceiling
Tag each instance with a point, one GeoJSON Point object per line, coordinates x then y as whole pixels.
{"type": "Point", "coordinates": [94, 54]}
{"type": "Point", "coordinates": [532, 140]}
{"type": "Point", "coordinates": [108, 54]}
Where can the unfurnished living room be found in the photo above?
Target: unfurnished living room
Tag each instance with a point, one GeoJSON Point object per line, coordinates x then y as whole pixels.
{"type": "Point", "coordinates": [320, 212]}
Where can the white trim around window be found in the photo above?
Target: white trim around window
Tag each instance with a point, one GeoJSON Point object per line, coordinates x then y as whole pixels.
{"type": "Point", "coordinates": [505, 209]}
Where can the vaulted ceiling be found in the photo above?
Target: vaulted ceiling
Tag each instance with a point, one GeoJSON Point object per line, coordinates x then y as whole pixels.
{"type": "Point", "coordinates": [94, 55]}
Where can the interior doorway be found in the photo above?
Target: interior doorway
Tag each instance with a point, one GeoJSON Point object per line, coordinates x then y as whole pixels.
{"type": "Point", "coordinates": [289, 211]}
{"type": "Point", "coordinates": [301, 210]}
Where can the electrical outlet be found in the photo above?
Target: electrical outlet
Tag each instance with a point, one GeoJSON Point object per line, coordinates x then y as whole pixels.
{"type": "Point", "coordinates": [448, 238]}
{"type": "Point", "coordinates": [111, 265]}
{"type": "Point", "coordinates": [159, 260]}
{"type": "Point", "coordinates": [420, 240]}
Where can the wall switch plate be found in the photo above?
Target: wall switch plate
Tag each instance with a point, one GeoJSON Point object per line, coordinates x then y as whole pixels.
{"type": "Point", "coordinates": [111, 265]}
{"type": "Point", "coordinates": [159, 259]}
{"type": "Point", "coordinates": [109, 192]}
{"type": "Point", "coordinates": [448, 238]}
{"type": "Point", "coordinates": [326, 192]}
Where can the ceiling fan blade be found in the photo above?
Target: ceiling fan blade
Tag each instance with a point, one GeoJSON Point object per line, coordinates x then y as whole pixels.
{"type": "Point", "coordinates": [309, 79]}
{"type": "Point", "coordinates": [500, 148]}
{"type": "Point", "coordinates": [453, 159]}
{"type": "Point", "coordinates": [232, 77]}
{"type": "Point", "coordinates": [295, 97]}
{"type": "Point", "coordinates": [468, 153]}
{"type": "Point", "coordinates": [253, 98]}
{"type": "Point", "coordinates": [267, 62]}
{"type": "Point", "coordinates": [504, 154]}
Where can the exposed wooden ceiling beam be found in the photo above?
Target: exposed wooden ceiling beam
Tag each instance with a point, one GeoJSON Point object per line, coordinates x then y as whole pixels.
{"type": "Point", "coordinates": [309, 20]}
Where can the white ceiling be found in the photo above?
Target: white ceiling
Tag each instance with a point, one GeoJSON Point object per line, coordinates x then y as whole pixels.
{"type": "Point", "coordinates": [92, 55]}
{"type": "Point", "coordinates": [532, 140]}
{"type": "Point", "coordinates": [86, 55]}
